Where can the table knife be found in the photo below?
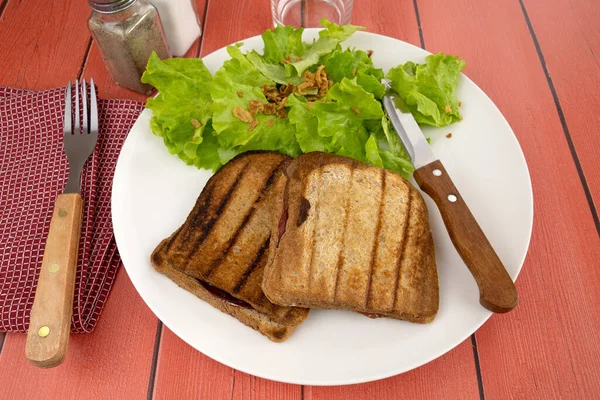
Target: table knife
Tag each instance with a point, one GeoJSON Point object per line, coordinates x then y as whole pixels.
{"type": "Point", "coordinates": [497, 292]}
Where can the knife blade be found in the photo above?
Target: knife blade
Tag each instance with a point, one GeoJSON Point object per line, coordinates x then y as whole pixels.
{"type": "Point", "coordinates": [497, 291]}
{"type": "Point", "coordinates": [414, 142]}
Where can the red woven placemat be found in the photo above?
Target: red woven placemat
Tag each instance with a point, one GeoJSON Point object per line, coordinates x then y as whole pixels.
{"type": "Point", "coordinates": [33, 171]}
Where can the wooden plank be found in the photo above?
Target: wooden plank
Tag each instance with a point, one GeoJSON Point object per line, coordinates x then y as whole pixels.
{"type": "Point", "coordinates": [203, 378]}
{"type": "Point", "coordinates": [374, 15]}
{"type": "Point", "coordinates": [112, 362]}
{"type": "Point", "coordinates": [451, 376]}
{"type": "Point", "coordinates": [248, 387]}
{"type": "Point", "coordinates": [42, 44]}
{"type": "Point", "coordinates": [548, 346]}
{"type": "Point", "coordinates": [185, 373]}
{"type": "Point", "coordinates": [231, 21]}
{"type": "Point", "coordinates": [569, 37]}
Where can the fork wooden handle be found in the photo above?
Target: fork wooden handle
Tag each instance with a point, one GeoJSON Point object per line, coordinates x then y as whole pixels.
{"type": "Point", "coordinates": [497, 292]}
{"type": "Point", "coordinates": [50, 320]}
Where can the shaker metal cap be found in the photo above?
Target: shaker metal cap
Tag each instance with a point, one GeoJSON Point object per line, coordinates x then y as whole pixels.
{"type": "Point", "coordinates": [110, 6]}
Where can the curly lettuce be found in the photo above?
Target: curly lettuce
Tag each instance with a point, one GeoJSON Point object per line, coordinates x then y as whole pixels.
{"type": "Point", "coordinates": [429, 90]}
{"type": "Point", "coordinates": [206, 120]}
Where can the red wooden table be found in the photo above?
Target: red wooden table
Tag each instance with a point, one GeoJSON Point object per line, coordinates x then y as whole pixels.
{"type": "Point", "coordinates": [539, 62]}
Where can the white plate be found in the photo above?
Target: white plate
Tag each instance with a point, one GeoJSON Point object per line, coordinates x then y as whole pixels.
{"type": "Point", "coordinates": [153, 192]}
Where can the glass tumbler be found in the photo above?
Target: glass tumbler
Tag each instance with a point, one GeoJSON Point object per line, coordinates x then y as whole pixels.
{"type": "Point", "coordinates": [308, 13]}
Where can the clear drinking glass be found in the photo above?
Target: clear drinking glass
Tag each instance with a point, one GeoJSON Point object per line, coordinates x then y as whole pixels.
{"type": "Point", "coordinates": [308, 13]}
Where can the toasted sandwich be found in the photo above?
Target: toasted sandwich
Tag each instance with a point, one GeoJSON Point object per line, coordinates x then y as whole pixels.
{"type": "Point", "coordinates": [347, 235]}
{"type": "Point", "coordinates": [220, 252]}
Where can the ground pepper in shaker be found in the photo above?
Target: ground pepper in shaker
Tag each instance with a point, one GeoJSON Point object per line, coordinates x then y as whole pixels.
{"type": "Point", "coordinates": [126, 32]}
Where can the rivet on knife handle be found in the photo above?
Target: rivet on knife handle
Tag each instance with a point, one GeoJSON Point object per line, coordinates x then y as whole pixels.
{"type": "Point", "coordinates": [50, 320]}
{"type": "Point", "coordinates": [497, 292]}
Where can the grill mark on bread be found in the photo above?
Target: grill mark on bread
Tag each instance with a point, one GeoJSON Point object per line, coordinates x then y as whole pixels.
{"type": "Point", "coordinates": [202, 202]}
{"type": "Point", "coordinates": [230, 244]}
{"type": "Point", "coordinates": [312, 247]}
{"type": "Point", "coordinates": [247, 218]}
{"type": "Point", "coordinates": [255, 263]}
{"type": "Point", "coordinates": [174, 238]}
{"type": "Point", "coordinates": [402, 248]}
{"type": "Point", "coordinates": [285, 214]}
{"type": "Point", "coordinates": [206, 228]}
{"type": "Point", "coordinates": [341, 259]}
{"type": "Point", "coordinates": [376, 238]}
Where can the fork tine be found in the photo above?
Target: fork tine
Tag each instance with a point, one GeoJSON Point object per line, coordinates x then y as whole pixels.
{"type": "Point", "coordinates": [85, 127]}
{"type": "Point", "coordinates": [68, 122]}
{"type": "Point", "coordinates": [93, 109]}
{"type": "Point", "coordinates": [76, 130]}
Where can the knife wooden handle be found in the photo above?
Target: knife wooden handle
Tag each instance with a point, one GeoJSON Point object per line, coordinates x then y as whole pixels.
{"type": "Point", "coordinates": [50, 320]}
{"type": "Point", "coordinates": [497, 292]}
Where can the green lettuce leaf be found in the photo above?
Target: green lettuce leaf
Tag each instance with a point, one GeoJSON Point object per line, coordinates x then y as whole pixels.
{"type": "Point", "coordinates": [391, 151]}
{"type": "Point", "coordinates": [275, 72]}
{"type": "Point", "coordinates": [429, 90]}
{"type": "Point", "coordinates": [207, 154]}
{"type": "Point", "coordinates": [235, 84]}
{"type": "Point", "coordinates": [329, 39]}
{"type": "Point", "coordinates": [242, 71]}
{"type": "Point", "coordinates": [184, 86]}
{"type": "Point", "coordinates": [354, 100]}
{"type": "Point", "coordinates": [341, 32]}
{"type": "Point", "coordinates": [281, 42]}
{"type": "Point", "coordinates": [372, 152]}
{"type": "Point", "coordinates": [286, 42]}
{"type": "Point", "coordinates": [371, 84]}
{"type": "Point", "coordinates": [322, 46]}
{"type": "Point", "coordinates": [393, 162]}
{"type": "Point", "coordinates": [306, 124]}
{"type": "Point", "coordinates": [338, 124]}
{"type": "Point", "coordinates": [351, 63]}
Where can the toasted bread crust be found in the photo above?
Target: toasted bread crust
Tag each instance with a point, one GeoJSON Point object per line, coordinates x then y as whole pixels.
{"type": "Point", "coordinates": [250, 317]}
{"type": "Point", "coordinates": [357, 237]}
{"type": "Point", "coordinates": [225, 241]}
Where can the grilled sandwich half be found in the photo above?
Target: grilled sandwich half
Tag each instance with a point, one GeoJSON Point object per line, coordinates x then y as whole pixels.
{"type": "Point", "coordinates": [351, 236]}
{"type": "Point", "coordinates": [220, 252]}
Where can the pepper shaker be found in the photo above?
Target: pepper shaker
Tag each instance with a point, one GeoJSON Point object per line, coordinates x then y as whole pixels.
{"type": "Point", "coordinates": [126, 32]}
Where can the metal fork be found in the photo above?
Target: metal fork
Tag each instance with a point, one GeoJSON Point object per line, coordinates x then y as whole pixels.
{"type": "Point", "coordinates": [50, 319]}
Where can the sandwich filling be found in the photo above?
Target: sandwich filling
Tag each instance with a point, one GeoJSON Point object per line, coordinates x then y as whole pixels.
{"type": "Point", "coordinates": [223, 295]}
